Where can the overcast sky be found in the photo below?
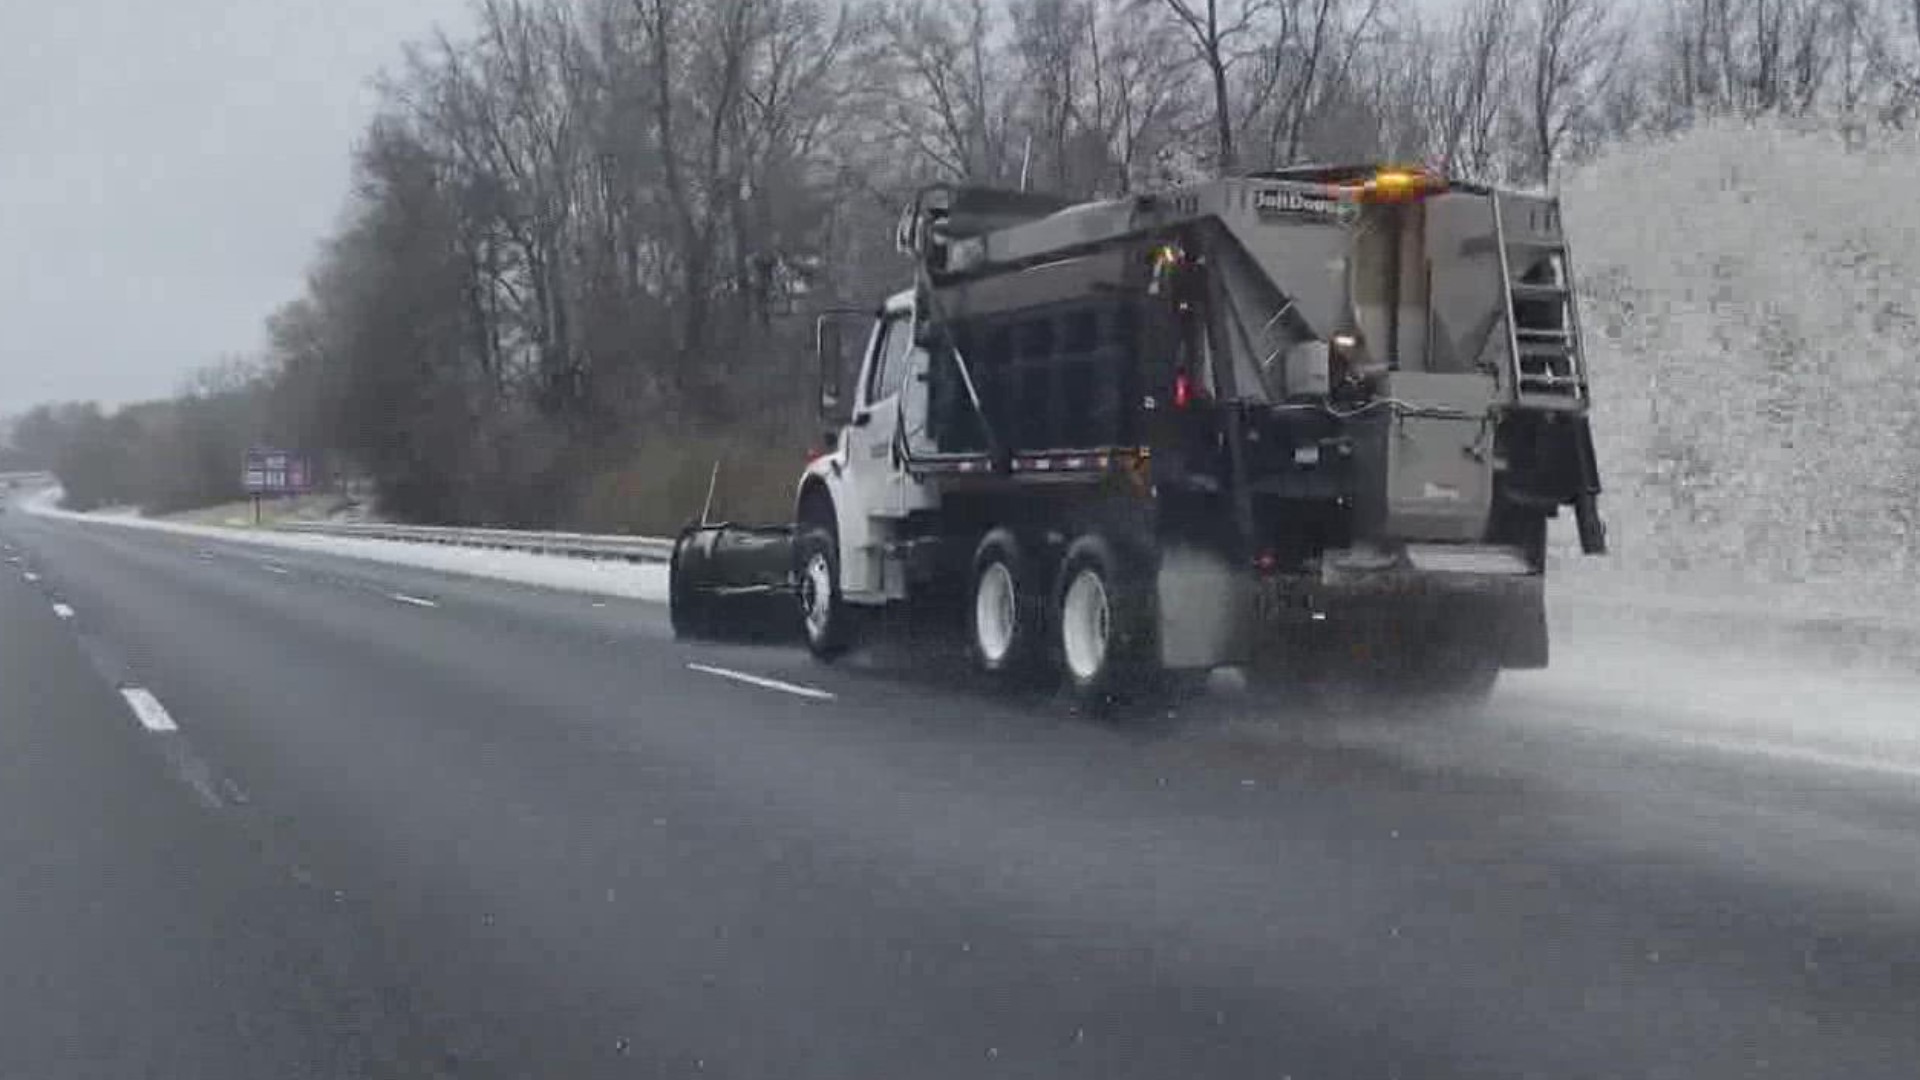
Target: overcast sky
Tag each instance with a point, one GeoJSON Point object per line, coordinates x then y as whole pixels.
{"type": "Point", "coordinates": [167, 169]}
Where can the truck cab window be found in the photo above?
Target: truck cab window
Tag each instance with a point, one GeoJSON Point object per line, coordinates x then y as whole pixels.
{"type": "Point", "coordinates": [890, 363]}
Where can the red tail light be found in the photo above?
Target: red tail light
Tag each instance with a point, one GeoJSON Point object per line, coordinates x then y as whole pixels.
{"type": "Point", "coordinates": [1182, 389]}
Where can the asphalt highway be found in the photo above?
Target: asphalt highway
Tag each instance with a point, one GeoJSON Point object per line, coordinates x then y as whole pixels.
{"type": "Point", "coordinates": [269, 813]}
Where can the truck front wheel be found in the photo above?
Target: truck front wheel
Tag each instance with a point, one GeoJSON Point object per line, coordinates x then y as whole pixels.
{"type": "Point", "coordinates": [1006, 614]}
{"type": "Point", "coordinates": [816, 556]}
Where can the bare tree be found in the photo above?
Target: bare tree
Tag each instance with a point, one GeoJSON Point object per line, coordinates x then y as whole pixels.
{"type": "Point", "coordinates": [1049, 40]}
{"type": "Point", "coordinates": [947, 88]}
{"type": "Point", "coordinates": [1576, 52]}
{"type": "Point", "coordinates": [1306, 66]}
{"type": "Point", "coordinates": [1138, 95]}
{"type": "Point", "coordinates": [734, 102]}
{"type": "Point", "coordinates": [1477, 83]}
{"type": "Point", "coordinates": [1216, 31]}
{"type": "Point", "coordinates": [1868, 62]}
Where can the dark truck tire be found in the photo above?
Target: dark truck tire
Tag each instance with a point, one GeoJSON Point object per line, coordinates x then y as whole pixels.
{"type": "Point", "coordinates": [1006, 608]}
{"type": "Point", "coordinates": [1103, 617]}
{"type": "Point", "coordinates": [825, 617]}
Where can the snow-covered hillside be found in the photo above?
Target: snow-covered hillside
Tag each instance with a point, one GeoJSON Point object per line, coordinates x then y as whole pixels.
{"type": "Point", "coordinates": [1752, 310]}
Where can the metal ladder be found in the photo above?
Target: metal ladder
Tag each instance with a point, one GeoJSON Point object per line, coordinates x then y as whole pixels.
{"type": "Point", "coordinates": [1547, 367]}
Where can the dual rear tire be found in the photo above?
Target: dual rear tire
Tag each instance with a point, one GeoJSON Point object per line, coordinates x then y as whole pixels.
{"type": "Point", "coordinates": [1006, 609]}
{"type": "Point", "coordinates": [1092, 622]}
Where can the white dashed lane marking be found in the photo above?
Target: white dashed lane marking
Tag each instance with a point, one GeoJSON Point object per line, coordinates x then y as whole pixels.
{"type": "Point", "coordinates": [147, 709]}
{"type": "Point", "coordinates": [63, 611]}
{"type": "Point", "coordinates": [29, 576]}
{"type": "Point", "coordinates": [416, 601]}
{"type": "Point", "coordinates": [765, 683]}
{"type": "Point", "coordinates": [272, 569]}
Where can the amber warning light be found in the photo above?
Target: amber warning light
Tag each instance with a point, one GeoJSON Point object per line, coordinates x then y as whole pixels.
{"type": "Point", "coordinates": [1399, 185]}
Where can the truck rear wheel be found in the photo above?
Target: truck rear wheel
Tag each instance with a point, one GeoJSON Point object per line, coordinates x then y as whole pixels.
{"type": "Point", "coordinates": [825, 616]}
{"type": "Point", "coordinates": [1104, 621]}
{"type": "Point", "coordinates": [1006, 615]}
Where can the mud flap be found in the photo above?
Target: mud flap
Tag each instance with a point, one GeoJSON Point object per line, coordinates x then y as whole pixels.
{"type": "Point", "coordinates": [1206, 610]}
{"type": "Point", "coordinates": [1505, 625]}
{"type": "Point", "coordinates": [1522, 626]}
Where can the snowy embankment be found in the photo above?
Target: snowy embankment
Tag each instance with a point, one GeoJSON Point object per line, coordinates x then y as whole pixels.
{"type": "Point", "coordinates": [1751, 303]}
{"type": "Point", "coordinates": [642, 581]}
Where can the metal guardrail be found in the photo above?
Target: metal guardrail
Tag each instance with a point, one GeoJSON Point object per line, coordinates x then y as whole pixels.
{"type": "Point", "coordinates": [572, 545]}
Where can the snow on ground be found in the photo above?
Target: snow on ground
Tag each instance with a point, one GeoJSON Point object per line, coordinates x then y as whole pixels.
{"type": "Point", "coordinates": [1751, 303]}
{"type": "Point", "coordinates": [641, 581]}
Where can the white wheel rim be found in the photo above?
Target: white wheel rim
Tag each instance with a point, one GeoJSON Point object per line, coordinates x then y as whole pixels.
{"type": "Point", "coordinates": [994, 612]}
{"type": "Point", "coordinates": [1085, 620]}
{"type": "Point", "coordinates": [818, 596]}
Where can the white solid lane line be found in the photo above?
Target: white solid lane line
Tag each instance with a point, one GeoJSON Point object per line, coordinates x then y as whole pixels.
{"type": "Point", "coordinates": [63, 611]}
{"type": "Point", "coordinates": [147, 709]}
{"type": "Point", "coordinates": [764, 682]}
{"type": "Point", "coordinates": [414, 600]}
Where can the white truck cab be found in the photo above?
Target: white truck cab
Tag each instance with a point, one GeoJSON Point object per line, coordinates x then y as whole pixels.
{"type": "Point", "coordinates": [865, 475]}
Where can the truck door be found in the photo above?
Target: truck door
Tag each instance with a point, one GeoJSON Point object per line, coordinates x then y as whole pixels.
{"type": "Point", "coordinates": [878, 481]}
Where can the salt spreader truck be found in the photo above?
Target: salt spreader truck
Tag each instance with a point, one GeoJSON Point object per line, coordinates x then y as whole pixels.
{"type": "Point", "coordinates": [1301, 421]}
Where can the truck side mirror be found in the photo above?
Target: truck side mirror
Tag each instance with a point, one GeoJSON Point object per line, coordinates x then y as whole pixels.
{"type": "Point", "coordinates": [827, 352]}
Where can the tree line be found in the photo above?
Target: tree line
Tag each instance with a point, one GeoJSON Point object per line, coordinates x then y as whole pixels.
{"type": "Point", "coordinates": [584, 237]}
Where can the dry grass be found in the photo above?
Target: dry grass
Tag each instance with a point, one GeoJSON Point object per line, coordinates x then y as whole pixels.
{"type": "Point", "coordinates": [316, 507]}
{"type": "Point", "coordinates": [664, 484]}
